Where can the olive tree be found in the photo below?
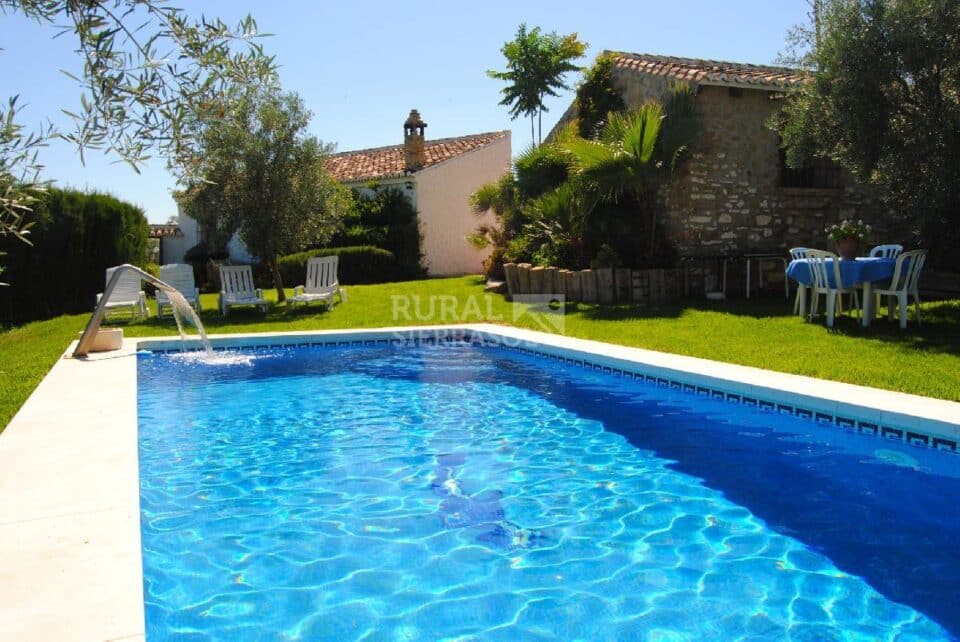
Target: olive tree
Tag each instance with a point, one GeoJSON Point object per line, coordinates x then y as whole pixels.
{"type": "Point", "coordinates": [262, 176]}
{"type": "Point", "coordinates": [883, 99]}
{"type": "Point", "coordinates": [147, 67]}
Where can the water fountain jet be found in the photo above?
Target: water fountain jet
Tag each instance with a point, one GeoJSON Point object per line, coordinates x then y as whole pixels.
{"type": "Point", "coordinates": [181, 310]}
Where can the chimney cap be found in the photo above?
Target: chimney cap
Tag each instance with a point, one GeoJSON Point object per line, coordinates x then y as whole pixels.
{"type": "Point", "coordinates": [414, 120]}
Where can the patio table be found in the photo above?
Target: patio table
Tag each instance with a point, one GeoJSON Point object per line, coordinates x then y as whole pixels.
{"type": "Point", "coordinates": [861, 271]}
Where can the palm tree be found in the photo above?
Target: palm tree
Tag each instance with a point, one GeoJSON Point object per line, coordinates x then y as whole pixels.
{"type": "Point", "coordinates": [635, 152]}
{"type": "Point", "coordinates": [536, 64]}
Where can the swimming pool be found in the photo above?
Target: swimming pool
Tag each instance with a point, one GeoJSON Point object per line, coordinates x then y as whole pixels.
{"type": "Point", "coordinates": [423, 492]}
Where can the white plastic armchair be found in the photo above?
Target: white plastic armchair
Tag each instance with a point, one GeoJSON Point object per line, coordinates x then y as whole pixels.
{"type": "Point", "coordinates": [797, 253]}
{"type": "Point", "coordinates": [180, 276]}
{"type": "Point", "coordinates": [321, 283]}
{"type": "Point", "coordinates": [126, 294]}
{"type": "Point", "coordinates": [821, 264]}
{"type": "Point", "coordinates": [236, 288]}
{"type": "Point", "coordinates": [891, 251]}
{"type": "Point", "coordinates": [905, 282]}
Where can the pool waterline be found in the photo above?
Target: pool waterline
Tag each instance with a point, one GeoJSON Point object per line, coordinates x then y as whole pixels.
{"type": "Point", "coordinates": [85, 477]}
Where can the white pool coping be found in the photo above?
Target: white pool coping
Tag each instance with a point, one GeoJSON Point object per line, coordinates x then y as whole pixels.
{"type": "Point", "coordinates": [71, 568]}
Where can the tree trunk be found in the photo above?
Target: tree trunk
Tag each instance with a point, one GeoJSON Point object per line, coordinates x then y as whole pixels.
{"type": "Point", "coordinates": [277, 279]}
{"type": "Point", "coordinates": [540, 126]}
{"type": "Point", "coordinates": [652, 214]}
{"type": "Point", "coordinates": [533, 134]}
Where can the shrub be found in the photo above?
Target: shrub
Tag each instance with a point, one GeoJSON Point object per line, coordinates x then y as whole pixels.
{"type": "Point", "coordinates": [203, 261]}
{"type": "Point", "coordinates": [597, 96]}
{"type": "Point", "coordinates": [359, 264]}
{"type": "Point", "coordinates": [75, 237]}
{"type": "Point", "coordinates": [153, 269]}
{"type": "Point", "coordinates": [493, 264]}
{"type": "Point", "coordinates": [385, 218]}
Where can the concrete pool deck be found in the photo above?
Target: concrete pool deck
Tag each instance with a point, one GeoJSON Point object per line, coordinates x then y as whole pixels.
{"type": "Point", "coordinates": [69, 492]}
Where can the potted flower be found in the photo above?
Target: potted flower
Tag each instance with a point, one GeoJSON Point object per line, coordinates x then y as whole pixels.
{"type": "Point", "coordinates": [847, 234]}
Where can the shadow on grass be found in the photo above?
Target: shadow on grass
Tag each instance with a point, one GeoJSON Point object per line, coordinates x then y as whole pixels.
{"type": "Point", "coordinates": [212, 319]}
{"type": "Point", "coordinates": [939, 331]}
{"type": "Point", "coordinates": [761, 309]}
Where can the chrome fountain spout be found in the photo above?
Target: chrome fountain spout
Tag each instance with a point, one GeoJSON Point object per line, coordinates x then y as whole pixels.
{"type": "Point", "coordinates": [177, 301]}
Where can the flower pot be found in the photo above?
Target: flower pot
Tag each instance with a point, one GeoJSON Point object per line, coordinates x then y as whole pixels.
{"type": "Point", "coordinates": [847, 248]}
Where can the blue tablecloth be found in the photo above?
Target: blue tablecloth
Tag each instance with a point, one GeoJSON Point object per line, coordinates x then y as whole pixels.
{"type": "Point", "coordinates": [861, 270]}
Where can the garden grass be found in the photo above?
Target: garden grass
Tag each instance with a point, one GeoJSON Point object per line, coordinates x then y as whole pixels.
{"type": "Point", "coordinates": [923, 360]}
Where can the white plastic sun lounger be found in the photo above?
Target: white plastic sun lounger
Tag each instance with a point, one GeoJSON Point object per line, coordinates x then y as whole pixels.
{"type": "Point", "coordinates": [321, 283]}
{"type": "Point", "coordinates": [236, 288]}
{"type": "Point", "coordinates": [180, 276]}
{"type": "Point", "coordinates": [126, 294]}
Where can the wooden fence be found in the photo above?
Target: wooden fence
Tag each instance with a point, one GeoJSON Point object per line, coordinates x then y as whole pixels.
{"type": "Point", "coordinates": [600, 285]}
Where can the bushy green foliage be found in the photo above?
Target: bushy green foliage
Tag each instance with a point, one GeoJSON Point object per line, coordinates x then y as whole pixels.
{"type": "Point", "coordinates": [359, 264]}
{"type": "Point", "coordinates": [597, 97]}
{"type": "Point", "coordinates": [577, 201]}
{"type": "Point", "coordinates": [146, 67]}
{"type": "Point", "coordinates": [539, 169]}
{"type": "Point", "coordinates": [75, 237]}
{"type": "Point", "coordinates": [385, 218]}
{"type": "Point", "coordinates": [536, 65]}
{"type": "Point", "coordinates": [883, 99]}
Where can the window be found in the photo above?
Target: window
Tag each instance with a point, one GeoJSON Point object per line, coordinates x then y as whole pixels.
{"type": "Point", "coordinates": [816, 173]}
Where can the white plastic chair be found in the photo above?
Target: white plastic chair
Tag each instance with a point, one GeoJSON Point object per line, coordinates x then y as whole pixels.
{"type": "Point", "coordinates": [321, 283]}
{"type": "Point", "coordinates": [891, 251]}
{"type": "Point", "coordinates": [126, 294]}
{"type": "Point", "coordinates": [905, 282]}
{"type": "Point", "coordinates": [236, 288]}
{"type": "Point", "coordinates": [180, 276]}
{"type": "Point", "coordinates": [797, 253]}
{"type": "Point", "coordinates": [819, 271]}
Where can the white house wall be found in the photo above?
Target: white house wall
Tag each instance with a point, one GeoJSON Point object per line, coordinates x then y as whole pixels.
{"type": "Point", "coordinates": [191, 236]}
{"type": "Point", "coordinates": [443, 193]}
{"type": "Point", "coordinates": [174, 249]}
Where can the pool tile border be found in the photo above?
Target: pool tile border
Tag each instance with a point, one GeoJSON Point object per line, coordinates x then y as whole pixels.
{"type": "Point", "coordinates": [890, 432]}
{"type": "Point", "coordinates": [492, 336]}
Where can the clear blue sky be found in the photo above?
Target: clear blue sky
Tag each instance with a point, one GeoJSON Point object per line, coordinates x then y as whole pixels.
{"type": "Point", "coordinates": [361, 67]}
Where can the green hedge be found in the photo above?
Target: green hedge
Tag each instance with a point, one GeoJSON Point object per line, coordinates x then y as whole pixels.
{"type": "Point", "coordinates": [76, 237]}
{"type": "Point", "coordinates": [385, 218]}
{"type": "Point", "coordinates": [358, 264]}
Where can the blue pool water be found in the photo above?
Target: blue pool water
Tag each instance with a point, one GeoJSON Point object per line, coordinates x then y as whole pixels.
{"type": "Point", "coordinates": [434, 492]}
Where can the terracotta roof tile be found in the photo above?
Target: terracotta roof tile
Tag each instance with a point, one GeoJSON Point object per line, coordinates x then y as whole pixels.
{"type": "Point", "coordinates": [710, 72]}
{"type": "Point", "coordinates": [164, 230]}
{"type": "Point", "coordinates": [387, 162]}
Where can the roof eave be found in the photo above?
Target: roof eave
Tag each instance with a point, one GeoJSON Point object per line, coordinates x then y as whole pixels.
{"type": "Point", "coordinates": [385, 177]}
{"type": "Point", "coordinates": [748, 85]}
{"type": "Point", "coordinates": [445, 161]}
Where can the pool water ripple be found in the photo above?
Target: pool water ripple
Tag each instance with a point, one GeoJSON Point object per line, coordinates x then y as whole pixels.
{"type": "Point", "coordinates": [438, 492]}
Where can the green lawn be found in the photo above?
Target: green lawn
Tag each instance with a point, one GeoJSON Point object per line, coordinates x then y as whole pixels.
{"type": "Point", "coordinates": [924, 360]}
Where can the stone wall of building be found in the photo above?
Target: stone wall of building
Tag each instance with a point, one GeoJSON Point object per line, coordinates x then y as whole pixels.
{"type": "Point", "coordinates": [636, 89]}
{"type": "Point", "coordinates": [727, 197]}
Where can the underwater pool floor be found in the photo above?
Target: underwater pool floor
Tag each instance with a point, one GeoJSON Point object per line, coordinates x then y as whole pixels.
{"type": "Point", "coordinates": [434, 492]}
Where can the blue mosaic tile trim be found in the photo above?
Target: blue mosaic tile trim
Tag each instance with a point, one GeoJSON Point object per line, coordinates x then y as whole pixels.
{"type": "Point", "coordinates": [458, 337]}
{"type": "Point", "coordinates": [888, 432]}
